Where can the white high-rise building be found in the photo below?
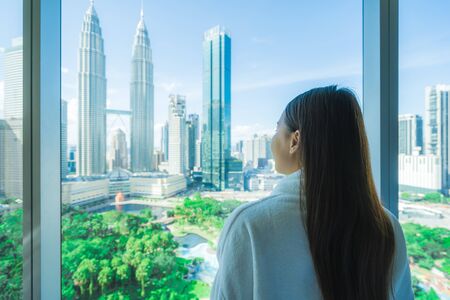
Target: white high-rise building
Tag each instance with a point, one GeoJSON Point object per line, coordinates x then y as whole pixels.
{"type": "Point", "coordinates": [118, 157]}
{"type": "Point", "coordinates": [193, 134]}
{"type": "Point", "coordinates": [165, 141]}
{"type": "Point", "coordinates": [198, 153]}
{"type": "Point", "coordinates": [64, 166]}
{"type": "Point", "coordinates": [177, 134]}
{"type": "Point", "coordinates": [257, 148]}
{"type": "Point", "coordinates": [410, 134]}
{"type": "Point", "coordinates": [3, 131]}
{"type": "Point", "coordinates": [142, 102]}
{"type": "Point", "coordinates": [437, 135]}
{"type": "Point", "coordinates": [12, 137]}
{"type": "Point", "coordinates": [91, 97]}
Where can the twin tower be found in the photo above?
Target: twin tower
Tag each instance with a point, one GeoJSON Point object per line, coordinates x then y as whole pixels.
{"type": "Point", "coordinates": [92, 99]}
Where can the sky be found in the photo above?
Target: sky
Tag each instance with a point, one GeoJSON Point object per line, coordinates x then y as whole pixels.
{"type": "Point", "coordinates": [279, 49]}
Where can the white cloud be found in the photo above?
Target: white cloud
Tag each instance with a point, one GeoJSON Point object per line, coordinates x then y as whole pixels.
{"type": "Point", "coordinates": [260, 40]}
{"type": "Point", "coordinates": [338, 71]}
{"type": "Point", "coordinates": [247, 131]}
{"type": "Point", "coordinates": [168, 87]}
{"type": "Point", "coordinates": [112, 91]}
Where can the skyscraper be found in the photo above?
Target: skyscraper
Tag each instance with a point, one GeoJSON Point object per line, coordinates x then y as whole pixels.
{"type": "Point", "coordinates": [12, 136]}
{"type": "Point", "coordinates": [165, 141]}
{"type": "Point", "coordinates": [193, 133]}
{"type": "Point", "coordinates": [257, 148]}
{"type": "Point", "coordinates": [92, 98]}
{"type": "Point", "coordinates": [216, 124]}
{"type": "Point", "coordinates": [410, 134]}
{"type": "Point", "coordinates": [177, 134]}
{"type": "Point", "coordinates": [64, 165]}
{"type": "Point", "coordinates": [142, 103]}
{"type": "Point", "coordinates": [437, 126]}
{"type": "Point", "coordinates": [3, 130]}
{"type": "Point", "coordinates": [119, 150]}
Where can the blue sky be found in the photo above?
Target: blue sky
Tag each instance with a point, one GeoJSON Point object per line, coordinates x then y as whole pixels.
{"type": "Point", "coordinates": [279, 49]}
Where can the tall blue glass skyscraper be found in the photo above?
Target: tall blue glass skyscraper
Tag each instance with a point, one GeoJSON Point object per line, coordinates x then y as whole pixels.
{"type": "Point", "coordinates": [216, 127]}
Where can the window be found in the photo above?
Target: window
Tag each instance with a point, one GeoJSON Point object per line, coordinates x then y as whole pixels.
{"type": "Point", "coordinates": [11, 149]}
{"type": "Point", "coordinates": [166, 128]}
{"type": "Point", "coordinates": [424, 184]}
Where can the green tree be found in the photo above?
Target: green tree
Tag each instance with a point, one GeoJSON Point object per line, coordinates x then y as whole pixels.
{"type": "Point", "coordinates": [81, 276]}
{"type": "Point", "coordinates": [143, 273]}
{"type": "Point", "coordinates": [105, 277]}
{"type": "Point", "coordinates": [433, 197]}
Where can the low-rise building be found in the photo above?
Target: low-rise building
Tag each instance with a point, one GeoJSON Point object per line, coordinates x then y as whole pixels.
{"type": "Point", "coordinates": [420, 173]}
{"type": "Point", "coordinates": [158, 185]}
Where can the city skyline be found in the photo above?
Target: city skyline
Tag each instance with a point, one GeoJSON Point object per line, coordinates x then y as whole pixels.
{"type": "Point", "coordinates": [419, 65]}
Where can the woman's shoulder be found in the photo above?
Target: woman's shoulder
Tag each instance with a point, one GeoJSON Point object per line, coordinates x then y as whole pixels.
{"type": "Point", "coordinates": [252, 211]}
{"type": "Point", "coordinates": [257, 213]}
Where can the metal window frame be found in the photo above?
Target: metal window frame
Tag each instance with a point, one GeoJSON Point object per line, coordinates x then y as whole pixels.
{"type": "Point", "coordinates": [380, 95]}
{"type": "Point", "coordinates": [42, 94]}
{"type": "Point", "coordinates": [41, 155]}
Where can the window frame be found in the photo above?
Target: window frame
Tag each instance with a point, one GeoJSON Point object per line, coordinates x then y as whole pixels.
{"type": "Point", "coordinates": [41, 153]}
{"type": "Point", "coordinates": [42, 101]}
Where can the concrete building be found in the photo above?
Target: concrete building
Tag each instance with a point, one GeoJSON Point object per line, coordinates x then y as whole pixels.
{"type": "Point", "coordinates": [142, 101]}
{"type": "Point", "coordinates": [92, 191]}
{"type": "Point", "coordinates": [91, 98]}
{"type": "Point", "coordinates": [263, 181]}
{"type": "Point", "coordinates": [165, 140]}
{"type": "Point", "coordinates": [118, 156]}
{"type": "Point", "coordinates": [64, 165]}
{"type": "Point", "coordinates": [84, 190]}
{"type": "Point", "coordinates": [157, 185]}
{"type": "Point", "coordinates": [193, 134]}
{"type": "Point", "coordinates": [410, 134]}
{"type": "Point", "coordinates": [12, 143]}
{"type": "Point", "coordinates": [436, 127]}
{"type": "Point", "coordinates": [420, 173]}
{"type": "Point", "coordinates": [257, 150]}
{"type": "Point", "coordinates": [177, 135]}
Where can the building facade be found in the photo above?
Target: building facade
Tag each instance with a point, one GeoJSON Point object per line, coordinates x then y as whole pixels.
{"type": "Point", "coordinates": [177, 134]}
{"type": "Point", "coordinates": [142, 101]}
{"type": "Point", "coordinates": [410, 134]}
{"type": "Point", "coordinates": [119, 151]}
{"type": "Point", "coordinates": [193, 134]}
{"type": "Point", "coordinates": [216, 121]}
{"type": "Point", "coordinates": [13, 113]}
{"type": "Point", "coordinates": [256, 151]}
{"type": "Point", "coordinates": [420, 173]}
{"type": "Point", "coordinates": [91, 98]}
{"type": "Point", "coordinates": [165, 141]}
{"type": "Point", "coordinates": [64, 165]}
{"type": "Point", "coordinates": [437, 128]}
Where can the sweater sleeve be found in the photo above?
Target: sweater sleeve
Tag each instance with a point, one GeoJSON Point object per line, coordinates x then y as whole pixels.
{"type": "Point", "coordinates": [234, 278]}
{"type": "Point", "coordinates": [401, 277]}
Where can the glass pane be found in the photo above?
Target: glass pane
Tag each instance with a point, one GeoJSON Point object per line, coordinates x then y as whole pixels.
{"type": "Point", "coordinates": [11, 148]}
{"type": "Point", "coordinates": [424, 165]}
{"type": "Point", "coordinates": [166, 128]}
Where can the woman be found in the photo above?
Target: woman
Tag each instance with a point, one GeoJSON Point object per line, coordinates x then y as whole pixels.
{"type": "Point", "coordinates": [322, 233]}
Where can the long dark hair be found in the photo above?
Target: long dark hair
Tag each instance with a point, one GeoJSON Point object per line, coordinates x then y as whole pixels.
{"type": "Point", "coordinates": [350, 236]}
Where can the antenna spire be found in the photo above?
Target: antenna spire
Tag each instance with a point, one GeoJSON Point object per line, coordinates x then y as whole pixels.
{"type": "Point", "coordinates": [142, 8]}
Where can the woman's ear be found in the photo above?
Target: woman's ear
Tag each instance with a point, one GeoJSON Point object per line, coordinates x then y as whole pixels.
{"type": "Point", "coordinates": [295, 142]}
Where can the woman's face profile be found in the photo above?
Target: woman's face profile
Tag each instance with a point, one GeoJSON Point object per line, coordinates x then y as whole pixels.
{"type": "Point", "coordinates": [285, 148]}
